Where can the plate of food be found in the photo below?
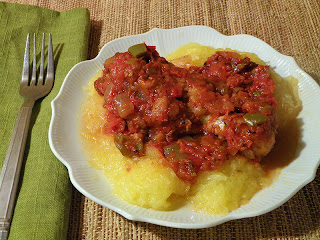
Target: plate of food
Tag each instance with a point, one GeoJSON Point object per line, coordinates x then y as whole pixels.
{"type": "Point", "coordinates": [187, 127]}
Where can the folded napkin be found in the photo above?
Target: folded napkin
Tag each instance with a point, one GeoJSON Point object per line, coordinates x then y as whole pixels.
{"type": "Point", "coordinates": [44, 194]}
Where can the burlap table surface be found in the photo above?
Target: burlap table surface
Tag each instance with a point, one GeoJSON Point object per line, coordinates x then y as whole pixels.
{"type": "Point", "coordinates": [292, 27]}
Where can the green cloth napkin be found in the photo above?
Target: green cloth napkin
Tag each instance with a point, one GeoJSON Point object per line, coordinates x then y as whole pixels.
{"type": "Point", "coordinates": [44, 194]}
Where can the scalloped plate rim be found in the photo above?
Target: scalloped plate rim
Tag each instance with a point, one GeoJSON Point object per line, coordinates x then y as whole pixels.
{"type": "Point", "coordinates": [218, 220]}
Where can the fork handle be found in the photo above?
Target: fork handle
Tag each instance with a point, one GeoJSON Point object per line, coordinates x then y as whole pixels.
{"type": "Point", "coordinates": [10, 172]}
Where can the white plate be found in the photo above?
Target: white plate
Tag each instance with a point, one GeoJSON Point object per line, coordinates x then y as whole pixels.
{"type": "Point", "coordinates": [64, 137]}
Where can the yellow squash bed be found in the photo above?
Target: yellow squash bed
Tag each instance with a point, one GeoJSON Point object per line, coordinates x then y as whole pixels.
{"type": "Point", "coordinates": [147, 183]}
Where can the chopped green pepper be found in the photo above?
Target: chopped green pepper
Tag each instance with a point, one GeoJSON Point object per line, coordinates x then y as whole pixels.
{"type": "Point", "coordinates": [190, 168]}
{"type": "Point", "coordinates": [171, 148]}
{"type": "Point", "coordinates": [119, 141]}
{"type": "Point", "coordinates": [257, 93]}
{"type": "Point", "coordinates": [138, 50]}
{"type": "Point", "coordinates": [173, 152]}
{"type": "Point", "coordinates": [254, 119]}
{"type": "Point", "coordinates": [237, 67]}
{"type": "Point", "coordinates": [237, 89]}
{"type": "Point", "coordinates": [128, 146]}
{"type": "Point", "coordinates": [266, 107]}
{"type": "Point", "coordinates": [139, 145]}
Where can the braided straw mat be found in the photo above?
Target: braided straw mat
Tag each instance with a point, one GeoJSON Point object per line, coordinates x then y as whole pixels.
{"type": "Point", "coordinates": [292, 27]}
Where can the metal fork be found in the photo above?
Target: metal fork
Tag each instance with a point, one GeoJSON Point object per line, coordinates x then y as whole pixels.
{"type": "Point", "coordinates": [31, 90]}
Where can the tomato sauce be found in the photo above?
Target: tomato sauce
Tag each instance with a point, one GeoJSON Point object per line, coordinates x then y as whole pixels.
{"type": "Point", "coordinates": [197, 117]}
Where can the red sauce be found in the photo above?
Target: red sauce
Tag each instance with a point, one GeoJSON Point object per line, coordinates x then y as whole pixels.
{"type": "Point", "coordinates": [196, 117]}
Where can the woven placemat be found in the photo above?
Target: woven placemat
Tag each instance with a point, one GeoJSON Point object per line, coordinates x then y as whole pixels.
{"type": "Point", "coordinates": [292, 27]}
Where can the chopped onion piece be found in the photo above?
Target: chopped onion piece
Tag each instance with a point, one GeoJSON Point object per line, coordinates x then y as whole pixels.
{"type": "Point", "coordinates": [123, 104]}
{"type": "Point", "coordinates": [108, 91]}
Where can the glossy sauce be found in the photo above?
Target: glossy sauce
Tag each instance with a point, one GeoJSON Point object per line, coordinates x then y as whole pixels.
{"type": "Point", "coordinates": [197, 117]}
{"type": "Point", "coordinates": [285, 149]}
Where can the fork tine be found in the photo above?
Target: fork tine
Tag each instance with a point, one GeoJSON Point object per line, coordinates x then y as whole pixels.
{"type": "Point", "coordinates": [50, 68]}
{"type": "Point", "coordinates": [34, 64]}
{"type": "Point", "coordinates": [25, 68]}
{"type": "Point", "coordinates": [40, 80]}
